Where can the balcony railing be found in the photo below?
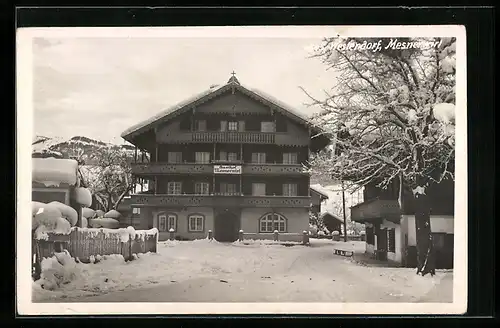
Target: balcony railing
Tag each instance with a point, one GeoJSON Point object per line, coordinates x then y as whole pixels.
{"type": "Point", "coordinates": [376, 209]}
{"type": "Point", "coordinates": [245, 137]}
{"type": "Point", "coordinates": [219, 200]}
{"type": "Point", "coordinates": [198, 168]}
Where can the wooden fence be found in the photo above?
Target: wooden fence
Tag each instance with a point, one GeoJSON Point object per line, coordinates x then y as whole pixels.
{"type": "Point", "coordinates": [84, 243]}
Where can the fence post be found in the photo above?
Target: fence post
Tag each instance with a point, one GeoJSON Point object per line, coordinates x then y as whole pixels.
{"type": "Point", "coordinates": [305, 237]}
{"type": "Point", "coordinates": [276, 235]}
{"type": "Point", "coordinates": [171, 234]}
{"type": "Point", "coordinates": [210, 235]}
{"type": "Point", "coordinates": [240, 235]}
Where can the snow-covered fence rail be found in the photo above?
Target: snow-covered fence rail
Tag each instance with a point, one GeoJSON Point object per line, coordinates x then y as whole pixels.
{"type": "Point", "coordinates": [86, 242]}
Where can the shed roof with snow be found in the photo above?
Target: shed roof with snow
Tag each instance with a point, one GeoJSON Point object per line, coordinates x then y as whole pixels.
{"type": "Point", "coordinates": [316, 189]}
{"type": "Point", "coordinates": [326, 215]}
{"type": "Point", "coordinates": [54, 171]}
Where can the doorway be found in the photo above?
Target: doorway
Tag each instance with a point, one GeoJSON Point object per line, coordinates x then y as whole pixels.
{"type": "Point", "coordinates": [226, 226]}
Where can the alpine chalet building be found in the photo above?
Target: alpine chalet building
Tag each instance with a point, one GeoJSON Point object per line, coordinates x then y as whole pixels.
{"type": "Point", "coordinates": [231, 158]}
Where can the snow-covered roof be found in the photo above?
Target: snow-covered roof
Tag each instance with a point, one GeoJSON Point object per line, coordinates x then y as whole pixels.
{"type": "Point", "coordinates": [323, 214]}
{"type": "Point", "coordinates": [319, 189]}
{"type": "Point", "coordinates": [209, 94]}
{"type": "Point", "coordinates": [54, 171]}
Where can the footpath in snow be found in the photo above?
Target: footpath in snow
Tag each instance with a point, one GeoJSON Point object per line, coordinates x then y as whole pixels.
{"type": "Point", "coordinates": [254, 271]}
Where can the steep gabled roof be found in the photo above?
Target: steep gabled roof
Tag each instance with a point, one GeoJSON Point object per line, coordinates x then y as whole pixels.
{"type": "Point", "coordinates": [206, 95]}
{"type": "Point", "coordinates": [316, 189]}
{"type": "Point", "coordinates": [325, 214]}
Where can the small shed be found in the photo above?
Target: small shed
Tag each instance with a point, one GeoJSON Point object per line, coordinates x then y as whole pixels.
{"type": "Point", "coordinates": [317, 197]}
{"type": "Point", "coordinates": [332, 222]}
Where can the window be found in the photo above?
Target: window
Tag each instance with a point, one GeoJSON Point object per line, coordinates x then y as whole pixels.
{"type": "Point", "coordinates": [232, 157]}
{"type": "Point", "coordinates": [271, 222]}
{"type": "Point", "coordinates": [223, 125]}
{"type": "Point", "coordinates": [167, 222]}
{"type": "Point", "coordinates": [136, 210]}
{"type": "Point", "coordinates": [175, 157]}
{"type": "Point", "coordinates": [200, 125]}
{"type": "Point", "coordinates": [232, 126]}
{"type": "Point", "coordinates": [174, 188]}
{"type": "Point", "coordinates": [202, 157]}
{"type": "Point", "coordinates": [258, 189]}
{"type": "Point", "coordinates": [228, 188]}
{"type": "Point", "coordinates": [196, 223]}
{"type": "Point", "coordinates": [223, 156]}
{"type": "Point", "coordinates": [391, 240]}
{"type": "Point", "coordinates": [290, 158]}
{"type": "Point", "coordinates": [267, 127]}
{"type": "Point", "coordinates": [259, 158]}
{"type": "Point", "coordinates": [290, 189]}
{"type": "Point", "coordinates": [202, 188]}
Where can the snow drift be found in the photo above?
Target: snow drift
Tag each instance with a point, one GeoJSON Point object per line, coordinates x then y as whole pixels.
{"type": "Point", "coordinates": [54, 171]}
{"type": "Point", "coordinates": [113, 214]}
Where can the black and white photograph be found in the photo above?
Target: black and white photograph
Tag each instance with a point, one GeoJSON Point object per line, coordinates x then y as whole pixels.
{"type": "Point", "coordinates": [192, 170]}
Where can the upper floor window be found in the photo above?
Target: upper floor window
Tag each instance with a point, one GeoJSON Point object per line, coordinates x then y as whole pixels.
{"type": "Point", "coordinates": [174, 187]}
{"type": "Point", "coordinates": [136, 210]}
{"type": "Point", "coordinates": [267, 127]}
{"type": "Point", "coordinates": [290, 158]}
{"type": "Point", "coordinates": [175, 157]}
{"type": "Point", "coordinates": [258, 189]}
{"type": "Point", "coordinates": [259, 158]}
{"type": "Point", "coordinates": [228, 188]}
{"type": "Point", "coordinates": [290, 189]}
{"type": "Point", "coordinates": [202, 157]}
{"type": "Point", "coordinates": [232, 126]}
{"type": "Point", "coordinates": [200, 125]}
{"type": "Point", "coordinates": [202, 188]}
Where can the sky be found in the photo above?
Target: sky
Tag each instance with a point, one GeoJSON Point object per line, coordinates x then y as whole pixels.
{"type": "Point", "coordinates": [99, 86]}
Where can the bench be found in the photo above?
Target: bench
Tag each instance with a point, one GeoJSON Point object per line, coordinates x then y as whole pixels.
{"type": "Point", "coordinates": [343, 252]}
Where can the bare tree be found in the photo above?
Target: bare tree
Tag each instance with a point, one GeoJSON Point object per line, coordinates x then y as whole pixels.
{"type": "Point", "coordinates": [391, 116]}
{"type": "Point", "coordinates": [110, 178]}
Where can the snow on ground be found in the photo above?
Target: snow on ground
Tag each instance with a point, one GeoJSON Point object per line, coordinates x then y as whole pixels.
{"type": "Point", "coordinates": [208, 271]}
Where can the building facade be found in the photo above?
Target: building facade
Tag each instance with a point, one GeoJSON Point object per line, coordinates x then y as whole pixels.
{"type": "Point", "coordinates": [390, 227]}
{"type": "Point", "coordinates": [231, 158]}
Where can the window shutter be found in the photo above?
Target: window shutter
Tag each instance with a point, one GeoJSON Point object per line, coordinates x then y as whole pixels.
{"type": "Point", "coordinates": [223, 125]}
{"type": "Point", "coordinates": [223, 156]}
{"type": "Point", "coordinates": [241, 126]}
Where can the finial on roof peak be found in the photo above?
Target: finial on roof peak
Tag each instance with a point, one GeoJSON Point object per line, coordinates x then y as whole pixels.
{"type": "Point", "coordinates": [233, 78]}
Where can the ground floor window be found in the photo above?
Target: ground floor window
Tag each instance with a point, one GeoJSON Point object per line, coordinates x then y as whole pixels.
{"type": "Point", "coordinates": [167, 221]}
{"type": "Point", "coordinates": [196, 223]}
{"type": "Point", "coordinates": [271, 222]}
{"type": "Point", "coordinates": [391, 240]}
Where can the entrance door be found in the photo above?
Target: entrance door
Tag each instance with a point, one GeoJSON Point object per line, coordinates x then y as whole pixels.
{"type": "Point", "coordinates": [226, 227]}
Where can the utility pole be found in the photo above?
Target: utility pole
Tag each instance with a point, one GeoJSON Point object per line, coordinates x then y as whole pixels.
{"type": "Point", "coordinates": [343, 211]}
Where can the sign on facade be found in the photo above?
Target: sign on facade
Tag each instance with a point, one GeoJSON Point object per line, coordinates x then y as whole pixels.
{"type": "Point", "coordinates": [227, 169]}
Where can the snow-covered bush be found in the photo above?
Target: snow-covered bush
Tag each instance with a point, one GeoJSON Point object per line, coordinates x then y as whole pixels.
{"type": "Point", "coordinates": [99, 213]}
{"type": "Point", "coordinates": [82, 196]}
{"type": "Point", "coordinates": [68, 212]}
{"type": "Point", "coordinates": [321, 233]}
{"type": "Point", "coordinates": [57, 270]}
{"type": "Point", "coordinates": [104, 223]}
{"type": "Point", "coordinates": [88, 213]}
{"type": "Point", "coordinates": [85, 222]}
{"type": "Point", "coordinates": [113, 214]}
{"type": "Point", "coordinates": [336, 233]}
{"type": "Point", "coordinates": [46, 215]}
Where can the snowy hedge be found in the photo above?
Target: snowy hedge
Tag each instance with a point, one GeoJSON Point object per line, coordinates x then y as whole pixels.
{"type": "Point", "coordinates": [113, 214]}
{"type": "Point", "coordinates": [67, 212]}
{"type": "Point", "coordinates": [99, 213]}
{"type": "Point", "coordinates": [82, 196]}
{"type": "Point", "coordinates": [103, 223]}
{"type": "Point", "coordinates": [88, 213]}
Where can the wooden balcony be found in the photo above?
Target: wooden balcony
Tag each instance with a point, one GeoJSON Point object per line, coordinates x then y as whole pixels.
{"type": "Point", "coordinates": [168, 168]}
{"type": "Point", "coordinates": [376, 210]}
{"type": "Point", "coordinates": [159, 168]}
{"type": "Point", "coordinates": [219, 201]}
{"type": "Point", "coordinates": [246, 137]}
